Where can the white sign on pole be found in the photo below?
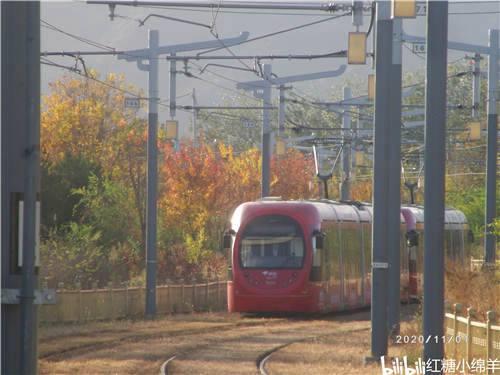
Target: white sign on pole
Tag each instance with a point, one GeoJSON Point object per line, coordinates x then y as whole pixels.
{"type": "Point", "coordinates": [418, 47]}
{"type": "Point", "coordinates": [421, 9]}
{"type": "Point", "coordinates": [20, 229]}
{"type": "Point", "coordinates": [133, 103]}
{"type": "Point", "coordinates": [248, 124]}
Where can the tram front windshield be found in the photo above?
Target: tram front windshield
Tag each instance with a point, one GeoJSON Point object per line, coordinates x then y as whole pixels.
{"type": "Point", "coordinates": [272, 242]}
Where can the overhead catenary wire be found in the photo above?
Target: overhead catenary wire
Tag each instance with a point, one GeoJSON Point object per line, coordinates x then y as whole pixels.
{"type": "Point", "coordinates": [221, 87]}
{"type": "Point", "coordinates": [90, 42]}
{"type": "Point", "coordinates": [77, 72]}
{"type": "Point", "coordinates": [279, 32]}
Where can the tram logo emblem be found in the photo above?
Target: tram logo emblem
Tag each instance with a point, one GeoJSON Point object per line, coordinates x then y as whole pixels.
{"type": "Point", "coordinates": [270, 274]}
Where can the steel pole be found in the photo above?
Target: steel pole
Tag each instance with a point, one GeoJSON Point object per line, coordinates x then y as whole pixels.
{"type": "Point", "coordinates": [281, 113]}
{"type": "Point", "coordinates": [434, 193]}
{"type": "Point", "coordinates": [28, 358]}
{"type": "Point", "coordinates": [476, 85]}
{"type": "Point", "coordinates": [491, 159]}
{"type": "Point", "coordinates": [195, 119]}
{"type": "Point", "coordinates": [173, 87]}
{"type": "Point", "coordinates": [345, 186]}
{"type": "Point", "coordinates": [266, 133]}
{"type": "Point", "coordinates": [394, 181]}
{"type": "Point", "coordinates": [152, 176]}
{"type": "Point", "coordinates": [383, 58]}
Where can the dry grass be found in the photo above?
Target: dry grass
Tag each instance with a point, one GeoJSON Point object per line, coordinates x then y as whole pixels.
{"type": "Point", "coordinates": [341, 353]}
{"type": "Point", "coordinates": [411, 328]}
{"type": "Point", "coordinates": [479, 290]}
{"type": "Point", "coordinates": [129, 347]}
{"type": "Point", "coordinates": [237, 352]}
{"type": "Point", "coordinates": [231, 350]}
{"type": "Point", "coordinates": [225, 344]}
{"type": "Point", "coordinates": [60, 339]}
{"type": "Point", "coordinates": [344, 351]}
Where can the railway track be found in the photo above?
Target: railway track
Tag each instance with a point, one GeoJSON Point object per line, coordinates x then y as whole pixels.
{"type": "Point", "coordinates": [241, 347]}
{"type": "Point", "coordinates": [265, 357]}
{"type": "Point", "coordinates": [90, 347]}
{"type": "Point", "coordinates": [187, 352]}
{"type": "Point", "coordinates": [270, 340]}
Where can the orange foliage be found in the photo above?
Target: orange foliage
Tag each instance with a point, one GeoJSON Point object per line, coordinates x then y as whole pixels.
{"type": "Point", "coordinates": [200, 184]}
{"type": "Point", "coordinates": [362, 191]}
{"type": "Point", "coordinates": [292, 174]}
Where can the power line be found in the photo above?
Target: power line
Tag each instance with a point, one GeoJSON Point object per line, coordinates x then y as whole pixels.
{"type": "Point", "coordinates": [90, 42]}
{"type": "Point", "coordinates": [218, 85]}
{"type": "Point", "coordinates": [279, 32]}
{"type": "Point", "coordinates": [240, 12]}
{"type": "Point", "coordinates": [469, 13]}
{"type": "Point", "coordinates": [77, 72]}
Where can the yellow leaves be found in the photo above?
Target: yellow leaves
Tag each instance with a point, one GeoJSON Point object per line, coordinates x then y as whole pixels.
{"type": "Point", "coordinates": [81, 117]}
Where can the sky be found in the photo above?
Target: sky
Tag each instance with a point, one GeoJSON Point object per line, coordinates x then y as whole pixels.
{"type": "Point", "coordinates": [124, 33]}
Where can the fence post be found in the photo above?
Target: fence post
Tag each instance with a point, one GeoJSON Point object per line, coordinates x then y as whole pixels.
{"type": "Point", "coordinates": [168, 302]}
{"type": "Point", "coordinates": [126, 299]}
{"type": "Point", "coordinates": [78, 287]}
{"type": "Point", "coordinates": [218, 294]}
{"type": "Point", "coordinates": [490, 318]}
{"type": "Point", "coordinates": [206, 297]}
{"type": "Point", "coordinates": [470, 314]}
{"type": "Point", "coordinates": [457, 309]}
{"type": "Point", "coordinates": [94, 297]}
{"type": "Point", "coordinates": [60, 289]}
{"type": "Point", "coordinates": [193, 294]}
{"type": "Point", "coordinates": [110, 301]}
{"type": "Point", "coordinates": [183, 297]}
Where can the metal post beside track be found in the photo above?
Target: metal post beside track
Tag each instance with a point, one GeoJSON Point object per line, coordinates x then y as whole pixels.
{"type": "Point", "coordinates": [435, 153]}
{"type": "Point", "coordinates": [382, 120]}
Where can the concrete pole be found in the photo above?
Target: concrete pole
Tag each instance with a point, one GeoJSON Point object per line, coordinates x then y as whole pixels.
{"type": "Point", "coordinates": [383, 59]}
{"type": "Point", "coordinates": [394, 208]}
{"type": "Point", "coordinates": [345, 185]}
{"type": "Point", "coordinates": [152, 176]}
{"type": "Point", "coordinates": [281, 114]}
{"type": "Point", "coordinates": [476, 85]}
{"type": "Point", "coordinates": [195, 119]}
{"type": "Point", "coordinates": [266, 133]}
{"type": "Point", "coordinates": [435, 154]}
{"type": "Point", "coordinates": [356, 126]}
{"type": "Point", "coordinates": [491, 159]}
{"type": "Point", "coordinates": [173, 87]}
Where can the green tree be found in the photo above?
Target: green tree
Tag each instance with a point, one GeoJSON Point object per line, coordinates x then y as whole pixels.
{"type": "Point", "coordinates": [108, 205]}
{"type": "Point", "coordinates": [71, 254]}
{"type": "Point", "coordinates": [57, 184]}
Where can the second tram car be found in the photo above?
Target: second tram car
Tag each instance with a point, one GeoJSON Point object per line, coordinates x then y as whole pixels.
{"type": "Point", "coordinates": [315, 256]}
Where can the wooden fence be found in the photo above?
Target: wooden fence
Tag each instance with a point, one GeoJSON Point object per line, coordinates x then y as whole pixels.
{"type": "Point", "coordinates": [469, 340]}
{"type": "Point", "coordinates": [478, 264]}
{"type": "Point", "coordinates": [114, 303]}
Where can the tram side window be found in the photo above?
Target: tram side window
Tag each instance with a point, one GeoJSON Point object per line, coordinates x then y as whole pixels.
{"type": "Point", "coordinates": [449, 243]}
{"type": "Point", "coordinates": [457, 244]}
{"type": "Point", "coordinates": [332, 254]}
{"type": "Point", "coordinates": [350, 252]}
{"type": "Point", "coordinates": [367, 239]}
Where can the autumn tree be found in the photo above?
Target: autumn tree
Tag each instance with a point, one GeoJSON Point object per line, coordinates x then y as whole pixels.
{"type": "Point", "coordinates": [85, 119]}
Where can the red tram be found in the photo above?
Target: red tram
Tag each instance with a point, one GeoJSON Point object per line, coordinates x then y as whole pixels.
{"type": "Point", "coordinates": [315, 255]}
